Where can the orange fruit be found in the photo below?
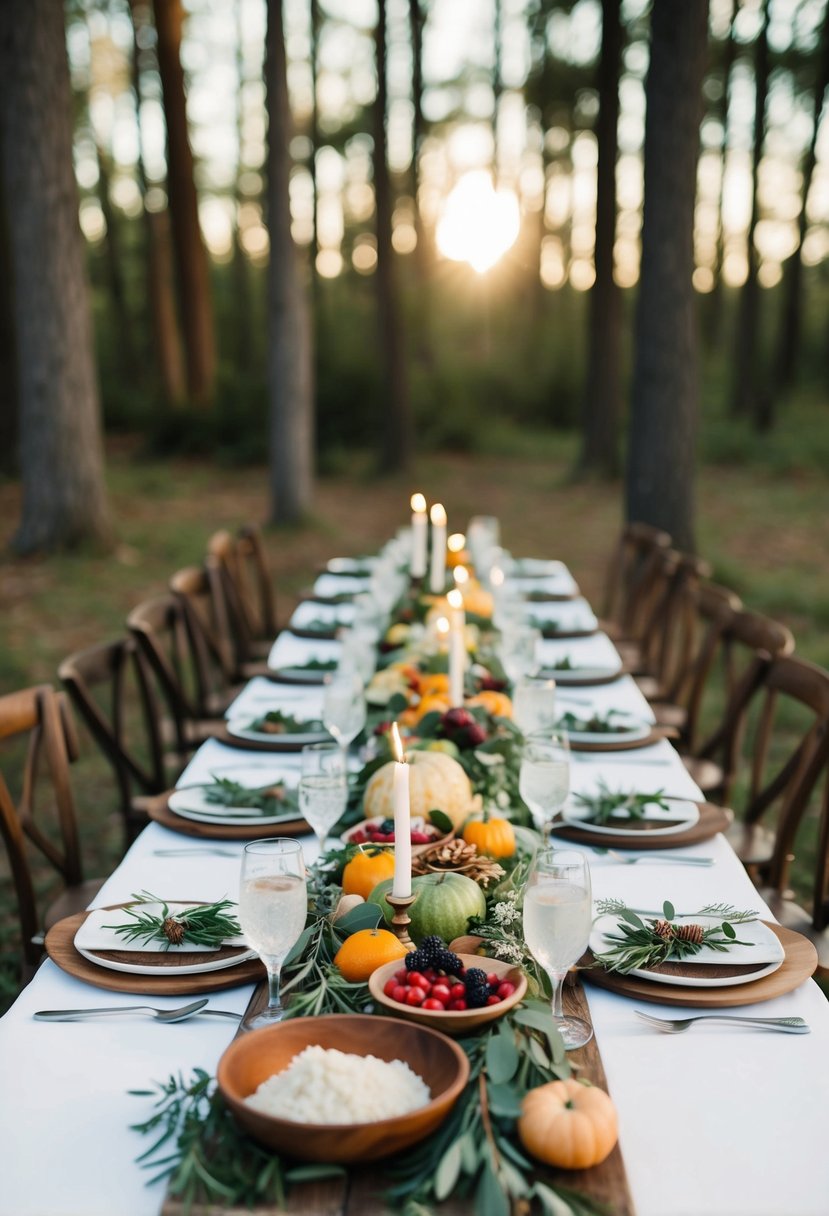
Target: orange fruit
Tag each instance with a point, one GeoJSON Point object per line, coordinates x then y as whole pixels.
{"type": "Point", "coordinates": [366, 869]}
{"type": "Point", "coordinates": [431, 703]}
{"type": "Point", "coordinates": [365, 951]}
{"type": "Point", "coordinates": [436, 683]}
{"type": "Point", "coordinates": [496, 703]}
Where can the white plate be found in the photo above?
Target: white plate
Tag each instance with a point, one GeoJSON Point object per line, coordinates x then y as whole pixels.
{"type": "Point", "coordinates": [767, 944]}
{"type": "Point", "coordinates": [538, 567]}
{"type": "Point", "coordinates": [630, 729]}
{"type": "Point", "coordinates": [575, 814]}
{"type": "Point", "coordinates": [351, 565]}
{"type": "Point", "coordinates": [301, 675]}
{"type": "Point", "coordinates": [574, 675]}
{"type": "Point", "coordinates": [241, 731]}
{"type": "Point", "coordinates": [191, 802]}
{"type": "Point", "coordinates": [93, 953]}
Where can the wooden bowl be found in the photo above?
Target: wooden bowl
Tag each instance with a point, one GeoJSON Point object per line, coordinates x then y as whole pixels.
{"type": "Point", "coordinates": [459, 1021]}
{"type": "Point", "coordinates": [253, 1057]}
{"type": "Point", "coordinates": [417, 849]}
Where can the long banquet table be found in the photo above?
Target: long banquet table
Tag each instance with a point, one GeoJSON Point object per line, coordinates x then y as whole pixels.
{"type": "Point", "coordinates": [716, 1122]}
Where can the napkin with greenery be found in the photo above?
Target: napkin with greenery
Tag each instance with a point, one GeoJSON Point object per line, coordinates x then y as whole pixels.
{"type": "Point", "coordinates": [646, 942]}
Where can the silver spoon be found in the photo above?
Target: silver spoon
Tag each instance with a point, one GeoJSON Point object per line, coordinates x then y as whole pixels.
{"type": "Point", "coordinates": [161, 1015]}
{"type": "Point", "coordinates": [212, 849]}
{"type": "Point", "coordinates": [679, 1025]}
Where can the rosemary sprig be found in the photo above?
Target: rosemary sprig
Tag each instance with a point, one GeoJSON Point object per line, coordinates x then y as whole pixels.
{"type": "Point", "coordinates": [201, 924]}
{"type": "Point", "coordinates": [565, 663]}
{"type": "Point", "coordinates": [596, 724]}
{"type": "Point", "coordinates": [275, 722]}
{"type": "Point", "coordinates": [318, 665]}
{"type": "Point", "coordinates": [654, 940]}
{"type": "Point", "coordinates": [269, 799]}
{"type": "Point", "coordinates": [607, 804]}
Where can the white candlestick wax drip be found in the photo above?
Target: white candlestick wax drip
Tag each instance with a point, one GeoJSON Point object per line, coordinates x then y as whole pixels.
{"type": "Point", "coordinates": [402, 882]}
{"type": "Point", "coordinates": [437, 569]}
{"type": "Point", "coordinates": [457, 646]}
{"type": "Point", "coordinates": [420, 529]}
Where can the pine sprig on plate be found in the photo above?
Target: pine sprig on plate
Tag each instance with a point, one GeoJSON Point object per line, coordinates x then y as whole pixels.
{"type": "Point", "coordinates": [200, 925]}
{"type": "Point", "coordinates": [607, 805]}
{"type": "Point", "coordinates": [595, 724]}
{"type": "Point", "coordinates": [275, 722]}
{"type": "Point", "coordinates": [269, 799]}
{"type": "Point", "coordinates": [654, 940]}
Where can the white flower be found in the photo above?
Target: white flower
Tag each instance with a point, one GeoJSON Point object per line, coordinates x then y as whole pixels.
{"type": "Point", "coordinates": [505, 912]}
{"type": "Point", "coordinates": [508, 952]}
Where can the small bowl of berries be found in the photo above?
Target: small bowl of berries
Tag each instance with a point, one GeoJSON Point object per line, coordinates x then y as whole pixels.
{"type": "Point", "coordinates": [454, 993]}
{"type": "Point", "coordinates": [380, 831]}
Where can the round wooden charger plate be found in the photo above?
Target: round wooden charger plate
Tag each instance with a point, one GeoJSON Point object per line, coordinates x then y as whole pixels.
{"type": "Point", "coordinates": [161, 813]}
{"type": "Point", "coordinates": [551, 673]}
{"type": "Point", "coordinates": [799, 965]}
{"type": "Point", "coordinates": [712, 819]}
{"type": "Point", "coordinates": [623, 745]}
{"type": "Point", "coordinates": [566, 634]}
{"type": "Point", "coordinates": [60, 946]}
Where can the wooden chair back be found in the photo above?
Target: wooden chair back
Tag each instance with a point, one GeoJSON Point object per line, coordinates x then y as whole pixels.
{"type": "Point", "coordinates": [41, 719]}
{"type": "Point", "coordinates": [633, 574]}
{"type": "Point", "coordinates": [238, 565]}
{"type": "Point", "coordinates": [209, 631]}
{"type": "Point", "coordinates": [717, 608]}
{"type": "Point", "coordinates": [786, 764]}
{"type": "Point", "coordinates": [161, 631]}
{"type": "Point", "coordinates": [114, 693]}
{"type": "Point", "coordinates": [670, 641]}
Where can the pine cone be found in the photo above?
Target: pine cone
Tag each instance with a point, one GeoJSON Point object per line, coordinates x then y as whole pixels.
{"type": "Point", "coordinates": [461, 858]}
{"type": "Point", "coordinates": [690, 933]}
{"type": "Point", "coordinates": [173, 931]}
{"type": "Point", "coordinates": [665, 930]}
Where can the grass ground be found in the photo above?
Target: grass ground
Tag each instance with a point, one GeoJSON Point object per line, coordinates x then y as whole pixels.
{"type": "Point", "coordinates": [765, 530]}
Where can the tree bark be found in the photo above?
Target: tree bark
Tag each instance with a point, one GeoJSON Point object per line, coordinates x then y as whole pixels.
{"type": "Point", "coordinates": [164, 325]}
{"type": "Point", "coordinates": [416, 23]}
{"type": "Point", "coordinates": [243, 312]}
{"type": "Point", "coordinates": [660, 473]}
{"type": "Point", "coordinates": [61, 452]}
{"type": "Point", "coordinates": [792, 322]}
{"type": "Point", "coordinates": [497, 83]}
{"type": "Point", "coordinates": [113, 257]}
{"type": "Point", "coordinates": [8, 355]}
{"type": "Point", "coordinates": [714, 311]}
{"type": "Point", "coordinates": [602, 402]}
{"type": "Point", "coordinates": [291, 439]}
{"type": "Point", "coordinates": [188, 244]}
{"type": "Point", "coordinates": [398, 437]}
{"type": "Point", "coordinates": [748, 397]}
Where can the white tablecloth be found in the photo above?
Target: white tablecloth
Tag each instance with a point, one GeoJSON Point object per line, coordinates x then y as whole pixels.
{"type": "Point", "coordinates": [717, 1122]}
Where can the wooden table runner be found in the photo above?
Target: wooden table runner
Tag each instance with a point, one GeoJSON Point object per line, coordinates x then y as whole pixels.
{"type": "Point", "coordinates": [360, 1193]}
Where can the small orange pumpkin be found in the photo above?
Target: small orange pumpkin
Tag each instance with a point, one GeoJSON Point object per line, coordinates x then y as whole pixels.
{"type": "Point", "coordinates": [434, 702]}
{"type": "Point", "coordinates": [438, 682]}
{"type": "Point", "coordinates": [366, 869]}
{"type": "Point", "coordinates": [491, 835]}
{"type": "Point", "coordinates": [568, 1124]}
{"type": "Point", "coordinates": [496, 703]}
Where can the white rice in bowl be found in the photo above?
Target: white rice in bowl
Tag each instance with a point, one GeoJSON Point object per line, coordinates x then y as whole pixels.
{"type": "Point", "coordinates": [323, 1085]}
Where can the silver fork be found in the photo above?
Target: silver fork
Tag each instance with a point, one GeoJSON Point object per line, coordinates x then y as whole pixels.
{"type": "Point", "coordinates": [213, 850]}
{"type": "Point", "coordinates": [619, 859]}
{"type": "Point", "coordinates": [180, 1014]}
{"type": "Point", "coordinates": [680, 1025]}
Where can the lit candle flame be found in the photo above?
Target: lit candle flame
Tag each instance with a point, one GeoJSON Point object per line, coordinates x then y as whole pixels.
{"type": "Point", "coordinates": [496, 576]}
{"type": "Point", "coordinates": [461, 576]}
{"type": "Point", "coordinates": [438, 515]}
{"type": "Point", "coordinates": [418, 503]}
{"type": "Point", "coordinates": [442, 626]}
{"type": "Point", "coordinates": [454, 599]}
{"type": "Point", "coordinates": [456, 542]}
{"type": "Point", "coordinates": [396, 745]}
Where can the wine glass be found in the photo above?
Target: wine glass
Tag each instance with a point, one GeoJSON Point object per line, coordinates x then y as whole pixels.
{"type": "Point", "coordinates": [534, 705]}
{"type": "Point", "coordinates": [344, 706]}
{"type": "Point", "coordinates": [323, 787]}
{"type": "Point", "coordinates": [517, 648]}
{"type": "Point", "coordinates": [544, 776]}
{"type": "Point", "coordinates": [273, 905]}
{"type": "Point", "coordinates": [558, 914]}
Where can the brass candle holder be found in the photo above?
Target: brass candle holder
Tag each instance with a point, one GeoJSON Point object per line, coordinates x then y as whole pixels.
{"type": "Point", "coordinates": [401, 919]}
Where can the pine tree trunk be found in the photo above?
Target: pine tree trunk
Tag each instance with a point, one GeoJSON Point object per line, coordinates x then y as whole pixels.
{"type": "Point", "coordinates": [242, 312]}
{"type": "Point", "coordinates": [291, 441]}
{"type": "Point", "coordinates": [398, 437]}
{"type": "Point", "coordinates": [748, 396]}
{"type": "Point", "coordinates": [497, 83]}
{"type": "Point", "coordinates": [113, 256]}
{"type": "Point", "coordinates": [416, 22]}
{"type": "Point", "coordinates": [713, 312]}
{"type": "Point", "coordinates": [792, 321]}
{"type": "Point", "coordinates": [660, 475]}
{"type": "Point", "coordinates": [8, 355]}
{"type": "Point", "coordinates": [602, 402]}
{"type": "Point", "coordinates": [61, 452]}
{"type": "Point", "coordinates": [188, 244]}
{"type": "Point", "coordinates": [164, 325]}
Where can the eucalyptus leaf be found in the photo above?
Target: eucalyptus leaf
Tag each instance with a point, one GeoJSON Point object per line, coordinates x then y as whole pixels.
{"type": "Point", "coordinates": [503, 1101]}
{"type": "Point", "coordinates": [440, 820]}
{"type": "Point", "coordinates": [539, 1055]}
{"type": "Point", "coordinates": [501, 1056]}
{"type": "Point", "coordinates": [364, 916]}
{"type": "Point", "coordinates": [632, 918]}
{"type": "Point", "coordinates": [314, 1173]}
{"type": "Point", "coordinates": [469, 1153]}
{"type": "Point", "coordinates": [490, 1197]}
{"type": "Point", "coordinates": [299, 945]}
{"type": "Point", "coordinates": [396, 703]}
{"type": "Point", "coordinates": [552, 1203]}
{"type": "Point", "coordinates": [448, 1171]}
{"type": "Point", "coordinates": [728, 930]}
{"type": "Point", "coordinates": [668, 910]}
{"type": "Point", "coordinates": [514, 1181]}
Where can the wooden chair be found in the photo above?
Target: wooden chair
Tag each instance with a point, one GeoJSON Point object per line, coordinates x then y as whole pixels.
{"type": "Point", "coordinates": [116, 696]}
{"type": "Point", "coordinates": [192, 683]}
{"type": "Point", "coordinates": [747, 646]}
{"type": "Point", "coordinates": [239, 567]}
{"type": "Point", "coordinates": [633, 573]}
{"type": "Point", "coordinates": [41, 718]}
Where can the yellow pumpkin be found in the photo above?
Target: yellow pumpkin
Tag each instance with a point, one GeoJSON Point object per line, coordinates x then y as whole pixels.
{"type": "Point", "coordinates": [436, 781]}
{"type": "Point", "coordinates": [435, 702]}
{"type": "Point", "coordinates": [478, 602]}
{"type": "Point", "coordinates": [436, 683]}
{"type": "Point", "coordinates": [365, 870]}
{"type": "Point", "coordinates": [491, 835]}
{"type": "Point", "coordinates": [496, 703]}
{"type": "Point", "coordinates": [568, 1124]}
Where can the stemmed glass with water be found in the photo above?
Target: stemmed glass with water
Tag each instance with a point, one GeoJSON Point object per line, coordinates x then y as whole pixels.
{"type": "Point", "coordinates": [273, 905]}
{"type": "Point", "coordinates": [534, 705]}
{"type": "Point", "coordinates": [558, 914]}
{"type": "Point", "coordinates": [544, 776]}
{"type": "Point", "coordinates": [344, 706]}
{"type": "Point", "coordinates": [323, 787]}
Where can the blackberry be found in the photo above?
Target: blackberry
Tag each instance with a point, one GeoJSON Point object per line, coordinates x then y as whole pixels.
{"type": "Point", "coordinates": [448, 962]}
{"type": "Point", "coordinates": [431, 948]}
{"type": "Point", "coordinates": [416, 960]}
{"type": "Point", "coordinates": [477, 988]}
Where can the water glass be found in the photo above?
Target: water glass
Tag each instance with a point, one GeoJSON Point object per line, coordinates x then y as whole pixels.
{"type": "Point", "coordinates": [518, 650]}
{"type": "Point", "coordinates": [344, 706]}
{"type": "Point", "coordinates": [534, 705]}
{"type": "Point", "coordinates": [544, 776]}
{"type": "Point", "coordinates": [558, 914]}
{"type": "Point", "coordinates": [323, 787]}
{"type": "Point", "coordinates": [273, 906]}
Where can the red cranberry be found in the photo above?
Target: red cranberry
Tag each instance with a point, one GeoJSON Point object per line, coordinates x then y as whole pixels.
{"type": "Point", "coordinates": [505, 989]}
{"type": "Point", "coordinates": [415, 996]}
{"type": "Point", "coordinates": [390, 985]}
{"type": "Point", "coordinates": [493, 980]}
{"type": "Point", "coordinates": [457, 1006]}
{"type": "Point", "coordinates": [432, 1002]}
{"type": "Point", "coordinates": [493, 1000]}
{"type": "Point", "coordinates": [400, 993]}
{"type": "Point", "coordinates": [417, 980]}
{"type": "Point", "coordinates": [441, 992]}
{"type": "Point", "coordinates": [458, 992]}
